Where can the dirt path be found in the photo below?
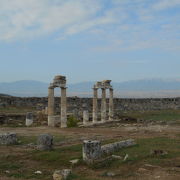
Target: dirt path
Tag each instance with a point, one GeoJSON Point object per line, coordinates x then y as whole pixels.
{"type": "Point", "coordinates": [128, 131]}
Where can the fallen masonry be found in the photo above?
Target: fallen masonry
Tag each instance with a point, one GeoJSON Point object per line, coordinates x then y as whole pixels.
{"type": "Point", "coordinates": [92, 150]}
{"type": "Point", "coordinates": [113, 147]}
{"type": "Point", "coordinates": [45, 142]}
{"type": "Point", "coordinates": [8, 139]}
{"type": "Point", "coordinates": [62, 174]}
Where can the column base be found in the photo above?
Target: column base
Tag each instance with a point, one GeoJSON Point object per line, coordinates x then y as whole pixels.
{"type": "Point", "coordinates": [53, 120]}
{"type": "Point", "coordinates": [63, 122]}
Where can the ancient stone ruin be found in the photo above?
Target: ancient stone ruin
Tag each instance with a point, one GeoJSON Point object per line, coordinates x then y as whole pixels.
{"type": "Point", "coordinates": [60, 81]}
{"type": "Point", "coordinates": [45, 142]}
{"type": "Point", "coordinates": [53, 119]}
{"type": "Point", "coordinates": [29, 119]}
{"type": "Point", "coordinates": [103, 85]}
{"type": "Point", "coordinates": [8, 139]}
{"type": "Point", "coordinates": [93, 151]}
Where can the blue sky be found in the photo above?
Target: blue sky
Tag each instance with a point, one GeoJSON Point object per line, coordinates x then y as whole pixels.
{"type": "Point", "coordinates": [89, 40]}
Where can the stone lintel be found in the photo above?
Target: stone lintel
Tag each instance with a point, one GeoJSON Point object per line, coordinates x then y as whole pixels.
{"type": "Point", "coordinates": [103, 84]}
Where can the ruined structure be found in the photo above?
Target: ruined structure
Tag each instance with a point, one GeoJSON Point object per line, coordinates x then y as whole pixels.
{"type": "Point", "coordinates": [93, 151]}
{"type": "Point", "coordinates": [29, 119]}
{"type": "Point", "coordinates": [103, 85]}
{"type": "Point", "coordinates": [53, 119]}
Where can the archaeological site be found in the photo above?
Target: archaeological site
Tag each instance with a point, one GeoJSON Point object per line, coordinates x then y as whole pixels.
{"type": "Point", "coordinates": [89, 90]}
{"type": "Point", "coordinates": [101, 137]}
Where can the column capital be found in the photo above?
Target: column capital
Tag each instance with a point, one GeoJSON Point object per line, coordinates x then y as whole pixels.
{"type": "Point", "coordinates": [63, 87]}
{"type": "Point", "coordinates": [94, 88]}
{"type": "Point", "coordinates": [50, 87]}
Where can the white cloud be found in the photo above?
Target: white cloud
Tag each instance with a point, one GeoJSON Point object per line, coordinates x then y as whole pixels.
{"type": "Point", "coordinates": [123, 25]}
{"type": "Point", "coordinates": [24, 18]}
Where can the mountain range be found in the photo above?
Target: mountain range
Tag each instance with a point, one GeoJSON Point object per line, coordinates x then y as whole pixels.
{"type": "Point", "coordinates": [137, 88]}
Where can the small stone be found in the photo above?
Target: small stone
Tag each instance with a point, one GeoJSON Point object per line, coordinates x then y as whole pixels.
{"type": "Point", "coordinates": [7, 172]}
{"type": "Point", "coordinates": [45, 142]}
{"type": "Point", "coordinates": [126, 157]}
{"type": "Point", "coordinates": [74, 161]}
{"type": "Point", "coordinates": [61, 174]}
{"type": "Point", "coordinates": [37, 172]}
{"type": "Point", "coordinates": [110, 174]}
{"type": "Point", "coordinates": [142, 170]}
{"type": "Point", "coordinates": [57, 175]}
{"type": "Point", "coordinates": [116, 157]}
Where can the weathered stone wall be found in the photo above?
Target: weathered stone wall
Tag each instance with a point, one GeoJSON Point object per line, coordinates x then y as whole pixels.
{"type": "Point", "coordinates": [76, 104]}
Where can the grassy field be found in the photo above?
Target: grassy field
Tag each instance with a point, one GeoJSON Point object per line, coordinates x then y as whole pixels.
{"type": "Point", "coordinates": [159, 115]}
{"type": "Point", "coordinates": [22, 163]}
{"type": "Point", "coordinates": [16, 110]}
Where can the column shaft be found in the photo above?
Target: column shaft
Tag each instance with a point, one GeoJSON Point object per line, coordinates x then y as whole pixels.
{"type": "Point", "coordinates": [103, 105]}
{"type": "Point", "coordinates": [95, 105]}
{"type": "Point", "coordinates": [85, 117]}
{"type": "Point", "coordinates": [111, 105]}
{"type": "Point", "coordinates": [50, 101]}
{"type": "Point", "coordinates": [63, 108]}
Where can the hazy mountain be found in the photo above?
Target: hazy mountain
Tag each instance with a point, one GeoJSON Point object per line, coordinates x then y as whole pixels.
{"type": "Point", "coordinates": [138, 88]}
{"type": "Point", "coordinates": [24, 88]}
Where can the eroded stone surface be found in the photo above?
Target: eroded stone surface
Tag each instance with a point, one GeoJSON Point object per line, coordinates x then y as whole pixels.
{"type": "Point", "coordinates": [45, 142]}
{"type": "Point", "coordinates": [110, 148]}
{"type": "Point", "coordinates": [29, 119]}
{"type": "Point", "coordinates": [61, 174]}
{"type": "Point", "coordinates": [8, 139]}
{"type": "Point", "coordinates": [91, 150]}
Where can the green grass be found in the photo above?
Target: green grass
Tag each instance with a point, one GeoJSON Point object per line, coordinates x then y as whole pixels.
{"type": "Point", "coordinates": [60, 156]}
{"type": "Point", "coordinates": [48, 161]}
{"type": "Point", "coordinates": [161, 115]}
{"type": "Point", "coordinates": [140, 153]}
{"type": "Point", "coordinates": [27, 139]}
{"type": "Point", "coordinates": [14, 109]}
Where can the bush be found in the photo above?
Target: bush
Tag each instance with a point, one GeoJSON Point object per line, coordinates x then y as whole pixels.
{"type": "Point", "coordinates": [72, 121]}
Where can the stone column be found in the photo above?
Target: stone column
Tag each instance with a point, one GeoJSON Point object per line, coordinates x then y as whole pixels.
{"type": "Point", "coordinates": [85, 117]}
{"type": "Point", "coordinates": [103, 105]}
{"type": "Point", "coordinates": [111, 105]}
{"type": "Point", "coordinates": [50, 105]}
{"type": "Point", "coordinates": [95, 105]}
{"type": "Point", "coordinates": [63, 108]}
{"type": "Point", "coordinates": [91, 151]}
{"type": "Point", "coordinates": [51, 101]}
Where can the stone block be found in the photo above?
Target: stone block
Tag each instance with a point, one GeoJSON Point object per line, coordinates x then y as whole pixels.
{"type": "Point", "coordinates": [29, 119]}
{"type": "Point", "coordinates": [8, 139]}
{"type": "Point", "coordinates": [91, 151]}
{"type": "Point", "coordinates": [45, 142]}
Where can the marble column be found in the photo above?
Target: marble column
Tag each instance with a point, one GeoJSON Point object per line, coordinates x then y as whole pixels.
{"type": "Point", "coordinates": [103, 105]}
{"type": "Point", "coordinates": [50, 105]}
{"type": "Point", "coordinates": [63, 108]}
{"type": "Point", "coordinates": [51, 101]}
{"type": "Point", "coordinates": [111, 105]}
{"type": "Point", "coordinates": [85, 117]}
{"type": "Point", "coordinates": [95, 105]}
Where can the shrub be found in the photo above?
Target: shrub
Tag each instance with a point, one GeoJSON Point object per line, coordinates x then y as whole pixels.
{"type": "Point", "coordinates": [72, 121]}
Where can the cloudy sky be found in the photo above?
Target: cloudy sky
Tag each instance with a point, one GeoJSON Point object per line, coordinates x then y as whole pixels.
{"type": "Point", "coordinates": [89, 39]}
